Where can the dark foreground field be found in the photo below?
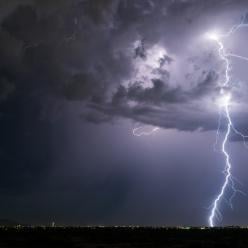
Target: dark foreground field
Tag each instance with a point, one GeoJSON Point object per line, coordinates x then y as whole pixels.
{"type": "Point", "coordinates": [122, 237]}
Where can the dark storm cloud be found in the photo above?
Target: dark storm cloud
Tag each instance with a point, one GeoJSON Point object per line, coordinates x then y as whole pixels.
{"type": "Point", "coordinates": [140, 51]}
{"type": "Point", "coordinates": [171, 117]}
{"type": "Point", "coordinates": [84, 51]}
{"type": "Point", "coordinates": [160, 105]}
{"type": "Point", "coordinates": [160, 92]}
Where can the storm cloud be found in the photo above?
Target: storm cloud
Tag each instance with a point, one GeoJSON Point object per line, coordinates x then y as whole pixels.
{"type": "Point", "coordinates": [115, 66]}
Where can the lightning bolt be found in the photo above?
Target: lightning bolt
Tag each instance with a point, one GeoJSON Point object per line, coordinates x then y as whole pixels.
{"type": "Point", "coordinates": [224, 111]}
{"type": "Point", "coordinates": [224, 104]}
{"type": "Point", "coordinates": [138, 131]}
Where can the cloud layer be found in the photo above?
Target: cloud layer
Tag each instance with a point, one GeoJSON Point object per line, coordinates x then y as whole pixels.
{"type": "Point", "coordinates": [142, 60]}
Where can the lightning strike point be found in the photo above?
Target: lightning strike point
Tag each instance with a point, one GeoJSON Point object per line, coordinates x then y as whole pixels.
{"type": "Point", "coordinates": [224, 100]}
{"type": "Point", "coordinates": [213, 36]}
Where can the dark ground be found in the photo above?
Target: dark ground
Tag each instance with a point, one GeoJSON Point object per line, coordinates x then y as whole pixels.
{"type": "Point", "coordinates": [122, 237]}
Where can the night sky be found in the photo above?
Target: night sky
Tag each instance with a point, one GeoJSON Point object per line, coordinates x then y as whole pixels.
{"type": "Point", "coordinates": [77, 76]}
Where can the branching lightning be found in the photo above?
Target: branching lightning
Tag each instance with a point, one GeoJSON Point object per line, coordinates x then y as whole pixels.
{"type": "Point", "coordinates": [138, 131]}
{"type": "Point", "coordinates": [224, 103]}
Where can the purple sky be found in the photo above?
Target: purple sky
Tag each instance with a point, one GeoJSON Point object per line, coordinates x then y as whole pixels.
{"type": "Point", "coordinates": [77, 76]}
